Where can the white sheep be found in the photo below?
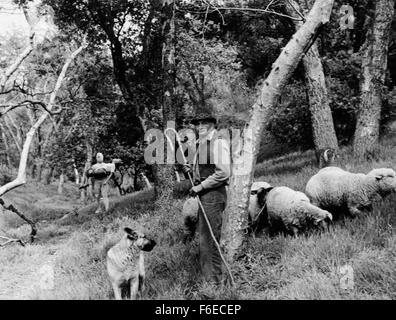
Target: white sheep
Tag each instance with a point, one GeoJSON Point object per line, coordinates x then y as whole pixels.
{"type": "Point", "coordinates": [291, 211]}
{"type": "Point", "coordinates": [345, 193]}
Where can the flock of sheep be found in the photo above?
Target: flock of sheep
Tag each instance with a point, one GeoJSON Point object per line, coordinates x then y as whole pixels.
{"type": "Point", "coordinates": [330, 194]}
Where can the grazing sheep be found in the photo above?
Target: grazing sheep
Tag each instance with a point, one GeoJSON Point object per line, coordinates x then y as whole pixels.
{"type": "Point", "coordinates": [345, 193]}
{"type": "Point", "coordinates": [257, 217]}
{"type": "Point", "coordinates": [291, 211]}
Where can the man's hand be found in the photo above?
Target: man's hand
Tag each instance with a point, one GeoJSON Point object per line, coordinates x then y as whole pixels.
{"type": "Point", "coordinates": [186, 168]}
{"type": "Point", "coordinates": [194, 191]}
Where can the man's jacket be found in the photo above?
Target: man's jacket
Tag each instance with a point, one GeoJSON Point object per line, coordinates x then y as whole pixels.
{"type": "Point", "coordinates": [212, 161]}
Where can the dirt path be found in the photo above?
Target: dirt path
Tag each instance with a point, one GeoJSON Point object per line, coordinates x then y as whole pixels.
{"type": "Point", "coordinates": [28, 272]}
{"type": "Point", "coordinates": [24, 282]}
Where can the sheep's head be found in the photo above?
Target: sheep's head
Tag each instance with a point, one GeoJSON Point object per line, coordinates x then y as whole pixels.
{"type": "Point", "coordinates": [257, 212]}
{"type": "Point", "coordinates": [386, 180]}
{"type": "Point", "coordinates": [321, 218]}
{"type": "Point", "coordinates": [139, 240]}
{"type": "Point", "coordinates": [262, 195]}
{"type": "Point", "coordinates": [329, 156]}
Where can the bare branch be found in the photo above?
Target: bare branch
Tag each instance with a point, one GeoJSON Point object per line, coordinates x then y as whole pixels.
{"type": "Point", "coordinates": [9, 107]}
{"type": "Point", "coordinates": [10, 240]}
{"type": "Point", "coordinates": [22, 216]}
{"type": "Point", "coordinates": [217, 9]}
{"type": "Point", "coordinates": [270, 4]}
{"type": "Point", "coordinates": [292, 4]}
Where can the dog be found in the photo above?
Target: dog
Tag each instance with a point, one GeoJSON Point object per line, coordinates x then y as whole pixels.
{"type": "Point", "coordinates": [125, 264]}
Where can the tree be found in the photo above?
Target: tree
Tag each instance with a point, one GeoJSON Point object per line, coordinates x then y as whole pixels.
{"type": "Point", "coordinates": [374, 66]}
{"type": "Point", "coordinates": [126, 27]}
{"type": "Point", "coordinates": [21, 177]}
{"type": "Point", "coordinates": [244, 157]}
{"type": "Point", "coordinates": [323, 131]}
{"type": "Point", "coordinates": [165, 172]}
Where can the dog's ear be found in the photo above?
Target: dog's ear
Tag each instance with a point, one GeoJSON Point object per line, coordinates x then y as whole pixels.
{"type": "Point", "coordinates": [130, 233]}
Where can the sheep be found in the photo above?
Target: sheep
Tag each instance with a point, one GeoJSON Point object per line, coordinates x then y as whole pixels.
{"type": "Point", "coordinates": [349, 194]}
{"type": "Point", "coordinates": [291, 211]}
{"type": "Point", "coordinates": [257, 219]}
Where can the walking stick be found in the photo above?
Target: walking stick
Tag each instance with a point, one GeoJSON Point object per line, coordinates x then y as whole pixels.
{"type": "Point", "coordinates": [200, 205]}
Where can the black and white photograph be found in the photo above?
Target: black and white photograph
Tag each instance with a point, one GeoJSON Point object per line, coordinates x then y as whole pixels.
{"type": "Point", "coordinates": [197, 150]}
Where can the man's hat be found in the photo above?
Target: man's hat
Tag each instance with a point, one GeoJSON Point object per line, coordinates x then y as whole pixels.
{"type": "Point", "coordinates": [203, 114]}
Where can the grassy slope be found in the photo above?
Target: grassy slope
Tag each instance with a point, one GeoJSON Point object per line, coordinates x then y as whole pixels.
{"type": "Point", "coordinates": [282, 267]}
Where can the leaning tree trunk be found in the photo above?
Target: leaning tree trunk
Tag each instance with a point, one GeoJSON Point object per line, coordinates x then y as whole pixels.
{"type": "Point", "coordinates": [374, 66]}
{"type": "Point", "coordinates": [165, 172]}
{"type": "Point", "coordinates": [245, 154]}
{"type": "Point", "coordinates": [324, 135]}
{"type": "Point", "coordinates": [21, 176]}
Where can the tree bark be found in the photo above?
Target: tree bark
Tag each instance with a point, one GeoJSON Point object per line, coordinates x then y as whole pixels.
{"type": "Point", "coordinates": [48, 177]}
{"type": "Point", "coordinates": [146, 181]}
{"type": "Point", "coordinates": [12, 134]}
{"type": "Point", "coordinates": [165, 172]}
{"type": "Point", "coordinates": [245, 151]}
{"type": "Point", "coordinates": [61, 182]}
{"type": "Point", "coordinates": [374, 66]}
{"type": "Point", "coordinates": [76, 174]}
{"type": "Point", "coordinates": [323, 130]}
{"type": "Point", "coordinates": [6, 146]}
{"type": "Point", "coordinates": [87, 192]}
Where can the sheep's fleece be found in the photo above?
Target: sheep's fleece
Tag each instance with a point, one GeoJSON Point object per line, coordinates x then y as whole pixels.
{"type": "Point", "coordinates": [342, 192]}
{"type": "Point", "coordinates": [292, 211]}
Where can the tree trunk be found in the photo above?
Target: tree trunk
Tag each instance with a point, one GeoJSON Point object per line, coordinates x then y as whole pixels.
{"type": "Point", "coordinates": [12, 134]}
{"type": "Point", "coordinates": [39, 170]}
{"type": "Point", "coordinates": [61, 182]}
{"type": "Point", "coordinates": [374, 66]}
{"type": "Point", "coordinates": [6, 146]}
{"type": "Point", "coordinates": [165, 172]}
{"type": "Point", "coordinates": [86, 193]}
{"type": "Point", "coordinates": [245, 152]}
{"type": "Point", "coordinates": [146, 181]}
{"type": "Point", "coordinates": [76, 174]}
{"type": "Point", "coordinates": [48, 177]}
{"type": "Point", "coordinates": [324, 135]}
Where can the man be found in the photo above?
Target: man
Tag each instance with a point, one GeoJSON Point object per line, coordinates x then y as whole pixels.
{"type": "Point", "coordinates": [101, 173]}
{"type": "Point", "coordinates": [211, 171]}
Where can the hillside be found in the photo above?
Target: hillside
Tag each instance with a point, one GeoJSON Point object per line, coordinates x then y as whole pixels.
{"type": "Point", "coordinates": [282, 267]}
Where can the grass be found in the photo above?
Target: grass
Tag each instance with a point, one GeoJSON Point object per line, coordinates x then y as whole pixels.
{"type": "Point", "coordinates": [281, 267]}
